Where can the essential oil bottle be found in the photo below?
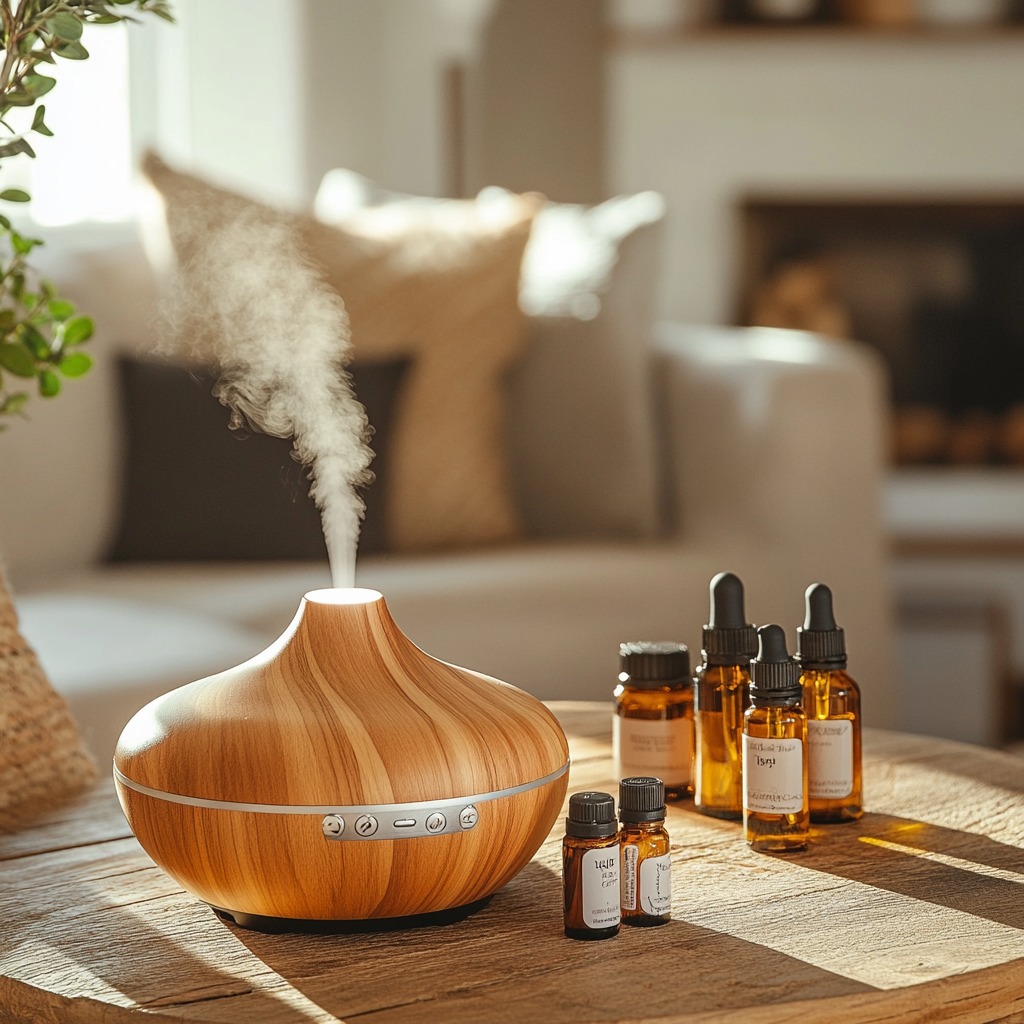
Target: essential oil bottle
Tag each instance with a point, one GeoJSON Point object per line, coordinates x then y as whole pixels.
{"type": "Point", "coordinates": [832, 705]}
{"type": "Point", "coordinates": [775, 805]}
{"type": "Point", "coordinates": [590, 867]}
{"type": "Point", "coordinates": [720, 698]}
{"type": "Point", "coordinates": [644, 845]}
{"type": "Point", "coordinates": [652, 730]}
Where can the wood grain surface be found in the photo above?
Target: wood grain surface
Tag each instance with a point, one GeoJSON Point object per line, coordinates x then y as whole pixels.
{"type": "Point", "coordinates": [913, 914]}
{"type": "Point", "coordinates": [343, 710]}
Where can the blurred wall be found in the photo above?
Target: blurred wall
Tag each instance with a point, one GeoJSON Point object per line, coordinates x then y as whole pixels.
{"type": "Point", "coordinates": [222, 92]}
{"type": "Point", "coordinates": [535, 101]}
{"type": "Point", "coordinates": [372, 78]}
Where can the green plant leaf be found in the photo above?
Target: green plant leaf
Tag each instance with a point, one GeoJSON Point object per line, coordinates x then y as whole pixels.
{"type": "Point", "coordinates": [16, 146]}
{"type": "Point", "coordinates": [60, 309]}
{"type": "Point", "coordinates": [15, 195]}
{"type": "Point", "coordinates": [78, 330]}
{"type": "Point", "coordinates": [38, 85]}
{"type": "Point", "coordinates": [72, 51]}
{"type": "Point", "coordinates": [76, 365]}
{"type": "Point", "coordinates": [17, 359]}
{"type": "Point", "coordinates": [65, 26]}
{"type": "Point", "coordinates": [5, 223]}
{"type": "Point", "coordinates": [37, 344]}
{"type": "Point", "coordinates": [37, 122]}
{"type": "Point", "coordinates": [13, 404]}
{"type": "Point", "coordinates": [49, 384]}
{"type": "Point", "coordinates": [7, 320]}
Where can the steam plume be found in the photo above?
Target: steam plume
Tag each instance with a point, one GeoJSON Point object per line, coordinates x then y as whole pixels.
{"type": "Point", "coordinates": [248, 297]}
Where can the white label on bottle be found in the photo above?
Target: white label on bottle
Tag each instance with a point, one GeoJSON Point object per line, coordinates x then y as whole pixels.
{"type": "Point", "coordinates": [630, 854]}
{"type": "Point", "coordinates": [601, 888]}
{"type": "Point", "coordinates": [656, 885]}
{"type": "Point", "coordinates": [773, 775]}
{"type": "Point", "coordinates": [829, 758]}
{"type": "Point", "coordinates": [662, 748]}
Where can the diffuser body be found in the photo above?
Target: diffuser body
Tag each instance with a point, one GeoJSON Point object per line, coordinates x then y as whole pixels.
{"type": "Point", "coordinates": [342, 775]}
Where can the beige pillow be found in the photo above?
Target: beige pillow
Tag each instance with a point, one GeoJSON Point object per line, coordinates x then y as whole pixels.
{"type": "Point", "coordinates": [41, 756]}
{"type": "Point", "coordinates": [436, 281]}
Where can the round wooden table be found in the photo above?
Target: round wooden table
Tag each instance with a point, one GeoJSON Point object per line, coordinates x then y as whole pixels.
{"type": "Point", "coordinates": [913, 914]}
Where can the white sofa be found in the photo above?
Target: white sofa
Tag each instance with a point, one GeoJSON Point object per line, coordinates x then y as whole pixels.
{"type": "Point", "coordinates": [771, 445]}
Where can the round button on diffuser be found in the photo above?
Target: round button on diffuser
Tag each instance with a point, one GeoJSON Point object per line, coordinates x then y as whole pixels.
{"type": "Point", "coordinates": [436, 822]}
{"type": "Point", "coordinates": [366, 825]}
{"type": "Point", "coordinates": [333, 825]}
{"type": "Point", "coordinates": [468, 816]}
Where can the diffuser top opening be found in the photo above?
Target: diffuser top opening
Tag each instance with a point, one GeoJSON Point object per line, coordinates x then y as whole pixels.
{"type": "Point", "coordinates": [343, 595]}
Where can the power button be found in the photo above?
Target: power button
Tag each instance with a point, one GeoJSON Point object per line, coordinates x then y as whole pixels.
{"type": "Point", "coordinates": [468, 817]}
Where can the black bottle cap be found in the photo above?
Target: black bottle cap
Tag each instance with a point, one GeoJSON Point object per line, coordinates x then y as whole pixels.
{"type": "Point", "coordinates": [728, 638]}
{"type": "Point", "coordinates": [591, 816]}
{"type": "Point", "coordinates": [820, 643]}
{"type": "Point", "coordinates": [773, 673]}
{"type": "Point", "coordinates": [641, 799]}
{"type": "Point", "coordinates": [651, 664]}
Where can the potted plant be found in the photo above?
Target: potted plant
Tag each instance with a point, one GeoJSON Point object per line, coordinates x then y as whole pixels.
{"type": "Point", "coordinates": [41, 756]}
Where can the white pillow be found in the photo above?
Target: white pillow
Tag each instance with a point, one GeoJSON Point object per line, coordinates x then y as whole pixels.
{"type": "Point", "coordinates": [581, 416]}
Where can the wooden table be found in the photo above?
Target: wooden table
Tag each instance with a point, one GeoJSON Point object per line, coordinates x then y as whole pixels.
{"type": "Point", "coordinates": [916, 913]}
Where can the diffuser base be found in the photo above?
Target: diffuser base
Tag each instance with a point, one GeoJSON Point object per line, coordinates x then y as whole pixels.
{"type": "Point", "coordinates": [278, 925]}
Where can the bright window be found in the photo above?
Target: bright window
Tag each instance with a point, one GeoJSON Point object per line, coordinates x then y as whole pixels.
{"type": "Point", "coordinates": [83, 173]}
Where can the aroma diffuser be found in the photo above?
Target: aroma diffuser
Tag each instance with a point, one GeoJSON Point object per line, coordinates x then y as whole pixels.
{"type": "Point", "coordinates": [342, 776]}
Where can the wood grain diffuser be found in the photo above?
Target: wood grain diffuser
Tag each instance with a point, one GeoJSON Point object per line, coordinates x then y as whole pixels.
{"type": "Point", "coordinates": [342, 776]}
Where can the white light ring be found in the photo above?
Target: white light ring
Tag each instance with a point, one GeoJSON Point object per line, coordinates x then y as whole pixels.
{"type": "Point", "coordinates": [452, 803]}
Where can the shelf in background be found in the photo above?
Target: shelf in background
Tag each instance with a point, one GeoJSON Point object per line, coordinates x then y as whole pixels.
{"type": "Point", "coordinates": [963, 510]}
{"type": "Point", "coordinates": [666, 39]}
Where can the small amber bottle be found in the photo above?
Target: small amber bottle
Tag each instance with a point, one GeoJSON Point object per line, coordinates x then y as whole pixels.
{"type": "Point", "coordinates": [832, 705]}
{"type": "Point", "coordinates": [775, 808]}
{"type": "Point", "coordinates": [590, 867]}
{"type": "Point", "coordinates": [652, 730]}
{"type": "Point", "coordinates": [644, 845]}
{"type": "Point", "coordinates": [720, 698]}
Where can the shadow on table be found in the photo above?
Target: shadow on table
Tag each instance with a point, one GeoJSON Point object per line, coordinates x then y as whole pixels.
{"type": "Point", "coordinates": [960, 870]}
{"type": "Point", "coordinates": [100, 919]}
{"type": "Point", "coordinates": [511, 962]}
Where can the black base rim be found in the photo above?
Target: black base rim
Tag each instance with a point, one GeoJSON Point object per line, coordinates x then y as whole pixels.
{"type": "Point", "coordinates": [714, 812]}
{"type": "Point", "coordinates": [281, 925]}
{"type": "Point", "coordinates": [646, 921]}
{"type": "Point", "coordinates": [591, 934]}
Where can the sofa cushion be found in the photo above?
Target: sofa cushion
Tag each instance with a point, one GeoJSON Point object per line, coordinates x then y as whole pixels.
{"type": "Point", "coordinates": [435, 283]}
{"type": "Point", "coordinates": [580, 420]}
{"type": "Point", "coordinates": [194, 490]}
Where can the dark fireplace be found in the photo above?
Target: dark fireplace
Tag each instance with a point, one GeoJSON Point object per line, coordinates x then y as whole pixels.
{"type": "Point", "coordinates": [936, 287]}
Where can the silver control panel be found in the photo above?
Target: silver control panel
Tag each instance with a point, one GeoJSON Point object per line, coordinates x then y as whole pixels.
{"type": "Point", "coordinates": [397, 822]}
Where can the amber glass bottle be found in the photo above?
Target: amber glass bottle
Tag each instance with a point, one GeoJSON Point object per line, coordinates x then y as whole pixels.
{"type": "Point", "coordinates": [652, 731]}
{"type": "Point", "coordinates": [590, 867]}
{"type": "Point", "coordinates": [775, 807]}
{"type": "Point", "coordinates": [720, 698]}
{"type": "Point", "coordinates": [644, 846]}
{"type": "Point", "coordinates": [832, 704]}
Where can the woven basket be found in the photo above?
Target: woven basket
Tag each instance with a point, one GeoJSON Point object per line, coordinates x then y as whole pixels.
{"type": "Point", "coordinates": [42, 761]}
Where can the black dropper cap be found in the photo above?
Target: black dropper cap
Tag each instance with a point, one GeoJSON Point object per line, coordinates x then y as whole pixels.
{"type": "Point", "coordinates": [774, 675]}
{"type": "Point", "coordinates": [650, 664]}
{"type": "Point", "coordinates": [591, 816]}
{"type": "Point", "coordinates": [641, 799]}
{"type": "Point", "coordinates": [728, 638]}
{"type": "Point", "coordinates": [820, 643]}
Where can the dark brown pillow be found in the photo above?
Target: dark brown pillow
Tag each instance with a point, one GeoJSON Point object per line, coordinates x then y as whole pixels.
{"type": "Point", "coordinates": [194, 490]}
